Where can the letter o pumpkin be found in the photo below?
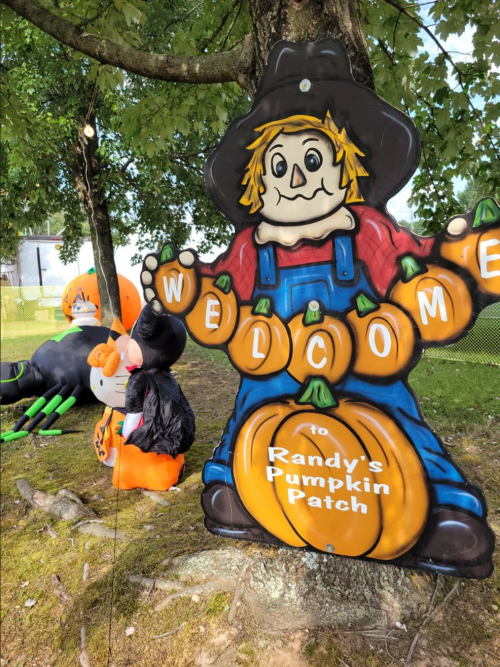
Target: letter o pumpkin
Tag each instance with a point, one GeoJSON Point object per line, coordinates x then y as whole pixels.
{"type": "Point", "coordinates": [354, 430]}
{"type": "Point", "coordinates": [384, 338]}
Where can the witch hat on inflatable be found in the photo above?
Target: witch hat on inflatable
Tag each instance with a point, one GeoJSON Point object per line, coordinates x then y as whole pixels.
{"type": "Point", "coordinates": [314, 79]}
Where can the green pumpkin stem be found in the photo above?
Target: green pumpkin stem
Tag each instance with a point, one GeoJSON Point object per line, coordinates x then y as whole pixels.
{"type": "Point", "coordinates": [487, 212]}
{"type": "Point", "coordinates": [313, 315]}
{"type": "Point", "coordinates": [318, 393]}
{"type": "Point", "coordinates": [411, 268]}
{"type": "Point", "coordinates": [223, 282]}
{"type": "Point", "coordinates": [364, 305]}
{"type": "Point", "coordinates": [263, 308]}
{"type": "Point", "coordinates": [167, 253]}
{"type": "Point", "coordinates": [91, 271]}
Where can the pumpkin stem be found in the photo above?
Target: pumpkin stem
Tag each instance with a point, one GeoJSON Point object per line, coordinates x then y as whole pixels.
{"type": "Point", "coordinates": [411, 268]}
{"type": "Point", "coordinates": [317, 393]}
{"type": "Point", "coordinates": [91, 271]}
{"type": "Point", "coordinates": [364, 305]}
{"type": "Point", "coordinates": [167, 253]}
{"type": "Point", "coordinates": [487, 211]}
{"type": "Point", "coordinates": [263, 308]}
{"type": "Point", "coordinates": [313, 314]}
{"type": "Point", "coordinates": [223, 282]}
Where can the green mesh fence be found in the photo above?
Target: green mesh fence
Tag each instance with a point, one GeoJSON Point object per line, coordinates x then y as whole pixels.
{"type": "Point", "coordinates": [31, 315]}
{"type": "Point", "coordinates": [481, 344]}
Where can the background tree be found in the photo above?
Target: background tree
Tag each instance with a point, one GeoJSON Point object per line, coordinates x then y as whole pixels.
{"type": "Point", "coordinates": [142, 171]}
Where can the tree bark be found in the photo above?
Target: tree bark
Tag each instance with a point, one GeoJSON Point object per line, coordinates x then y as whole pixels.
{"type": "Point", "coordinates": [308, 21]}
{"type": "Point", "coordinates": [87, 173]}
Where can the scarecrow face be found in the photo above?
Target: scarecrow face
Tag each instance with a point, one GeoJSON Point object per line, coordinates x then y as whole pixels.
{"type": "Point", "coordinates": [302, 182]}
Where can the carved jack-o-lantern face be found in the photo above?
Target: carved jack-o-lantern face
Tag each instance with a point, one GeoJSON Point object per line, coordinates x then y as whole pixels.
{"type": "Point", "coordinates": [301, 179]}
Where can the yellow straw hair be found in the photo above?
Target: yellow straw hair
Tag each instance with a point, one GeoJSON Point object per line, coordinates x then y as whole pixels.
{"type": "Point", "coordinates": [346, 152]}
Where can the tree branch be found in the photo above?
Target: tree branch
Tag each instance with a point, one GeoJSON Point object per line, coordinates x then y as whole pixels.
{"type": "Point", "coordinates": [213, 68]}
{"type": "Point", "coordinates": [403, 10]}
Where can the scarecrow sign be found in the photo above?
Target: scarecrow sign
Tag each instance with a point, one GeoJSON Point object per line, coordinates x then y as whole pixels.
{"type": "Point", "coordinates": [323, 305]}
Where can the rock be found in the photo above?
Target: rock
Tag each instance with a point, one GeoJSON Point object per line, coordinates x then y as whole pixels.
{"type": "Point", "coordinates": [59, 506]}
{"type": "Point", "coordinates": [155, 497]}
{"type": "Point", "coordinates": [30, 603]}
{"type": "Point", "coordinates": [69, 494]}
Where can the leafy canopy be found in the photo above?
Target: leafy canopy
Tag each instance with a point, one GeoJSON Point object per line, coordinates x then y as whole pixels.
{"type": "Point", "coordinates": [438, 61]}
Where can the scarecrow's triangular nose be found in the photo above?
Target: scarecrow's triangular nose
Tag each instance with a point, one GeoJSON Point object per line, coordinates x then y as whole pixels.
{"type": "Point", "coordinates": [298, 178]}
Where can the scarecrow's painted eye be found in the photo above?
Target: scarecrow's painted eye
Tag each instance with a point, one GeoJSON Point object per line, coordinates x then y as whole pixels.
{"type": "Point", "coordinates": [279, 165]}
{"type": "Point", "coordinates": [313, 160]}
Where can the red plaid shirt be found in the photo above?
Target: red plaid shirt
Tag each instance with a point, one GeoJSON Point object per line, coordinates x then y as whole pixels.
{"type": "Point", "coordinates": [379, 244]}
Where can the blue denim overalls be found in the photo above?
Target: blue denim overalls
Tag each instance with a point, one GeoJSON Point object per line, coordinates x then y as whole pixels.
{"type": "Point", "coordinates": [336, 286]}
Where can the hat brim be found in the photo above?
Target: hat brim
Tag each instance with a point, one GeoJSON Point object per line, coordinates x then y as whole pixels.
{"type": "Point", "coordinates": [387, 137]}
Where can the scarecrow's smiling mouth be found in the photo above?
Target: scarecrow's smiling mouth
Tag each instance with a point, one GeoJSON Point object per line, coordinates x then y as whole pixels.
{"type": "Point", "coordinates": [320, 189]}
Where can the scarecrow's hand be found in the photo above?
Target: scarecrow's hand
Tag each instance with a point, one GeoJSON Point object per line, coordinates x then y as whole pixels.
{"type": "Point", "coordinates": [486, 215]}
{"type": "Point", "coordinates": [169, 280]}
{"type": "Point", "coordinates": [472, 242]}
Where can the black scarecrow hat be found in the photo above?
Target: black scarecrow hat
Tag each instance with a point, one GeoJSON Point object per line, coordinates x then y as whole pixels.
{"type": "Point", "coordinates": [312, 79]}
{"type": "Point", "coordinates": [161, 339]}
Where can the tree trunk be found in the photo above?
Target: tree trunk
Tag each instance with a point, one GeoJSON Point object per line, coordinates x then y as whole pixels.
{"type": "Point", "coordinates": [87, 171]}
{"type": "Point", "coordinates": [307, 21]}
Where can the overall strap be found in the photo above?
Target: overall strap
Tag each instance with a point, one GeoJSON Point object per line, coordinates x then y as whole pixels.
{"type": "Point", "coordinates": [344, 258]}
{"type": "Point", "coordinates": [267, 265]}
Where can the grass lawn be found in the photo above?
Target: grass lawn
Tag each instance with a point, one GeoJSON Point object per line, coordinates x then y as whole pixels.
{"type": "Point", "coordinates": [462, 403]}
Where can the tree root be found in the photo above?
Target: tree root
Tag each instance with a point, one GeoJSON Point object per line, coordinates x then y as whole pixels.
{"type": "Point", "coordinates": [428, 617]}
{"type": "Point", "coordinates": [59, 506]}
{"type": "Point", "coordinates": [167, 634]}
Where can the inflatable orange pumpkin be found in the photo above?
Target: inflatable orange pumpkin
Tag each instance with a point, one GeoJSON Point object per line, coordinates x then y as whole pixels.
{"type": "Point", "coordinates": [384, 338]}
{"type": "Point", "coordinates": [213, 318]}
{"type": "Point", "coordinates": [321, 345]}
{"type": "Point", "coordinates": [133, 468]}
{"type": "Point", "coordinates": [340, 477]}
{"type": "Point", "coordinates": [84, 288]}
{"type": "Point", "coordinates": [261, 344]}
{"type": "Point", "coordinates": [437, 298]}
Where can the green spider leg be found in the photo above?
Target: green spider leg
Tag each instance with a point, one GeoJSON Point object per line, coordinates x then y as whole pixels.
{"type": "Point", "coordinates": [63, 407]}
{"type": "Point", "coordinates": [60, 403]}
{"type": "Point", "coordinates": [14, 433]}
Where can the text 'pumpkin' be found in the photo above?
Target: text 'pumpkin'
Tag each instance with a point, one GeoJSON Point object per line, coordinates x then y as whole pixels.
{"type": "Point", "coordinates": [342, 479]}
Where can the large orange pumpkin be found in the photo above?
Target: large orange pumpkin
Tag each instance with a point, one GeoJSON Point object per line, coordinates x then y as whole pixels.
{"type": "Point", "coordinates": [213, 318]}
{"type": "Point", "coordinates": [478, 253]}
{"type": "Point", "coordinates": [340, 477]}
{"type": "Point", "coordinates": [384, 338]}
{"type": "Point", "coordinates": [84, 288]}
{"type": "Point", "coordinates": [261, 343]}
{"type": "Point", "coordinates": [321, 345]}
{"type": "Point", "coordinates": [437, 298]}
{"type": "Point", "coordinates": [175, 285]}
